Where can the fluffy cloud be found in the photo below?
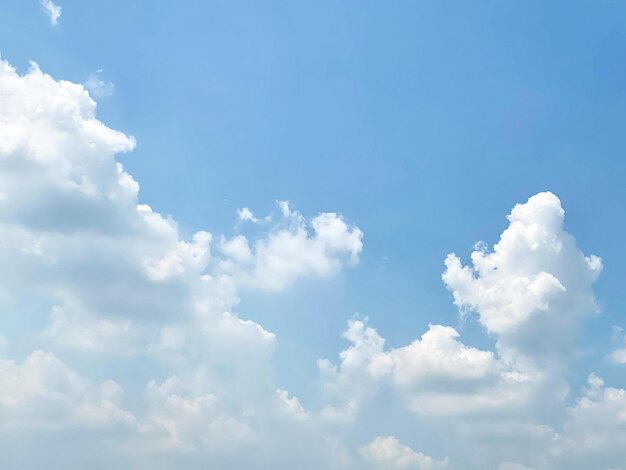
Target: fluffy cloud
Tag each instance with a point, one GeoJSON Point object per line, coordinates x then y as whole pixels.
{"type": "Point", "coordinates": [386, 453]}
{"type": "Point", "coordinates": [435, 374]}
{"type": "Point", "coordinates": [109, 286]}
{"type": "Point", "coordinates": [295, 248]}
{"type": "Point", "coordinates": [43, 393]}
{"type": "Point", "coordinates": [534, 289]}
{"type": "Point", "coordinates": [114, 280]}
{"type": "Point", "coordinates": [594, 434]}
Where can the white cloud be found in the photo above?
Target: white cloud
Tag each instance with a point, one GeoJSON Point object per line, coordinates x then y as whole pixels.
{"type": "Point", "coordinates": [43, 393]}
{"type": "Point", "coordinates": [292, 405]}
{"type": "Point", "coordinates": [435, 374]}
{"type": "Point", "coordinates": [534, 289]}
{"type": "Point", "coordinates": [292, 249]}
{"type": "Point", "coordinates": [246, 214]}
{"type": "Point", "coordinates": [387, 453]}
{"type": "Point", "coordinates": [92, 334]}
{"type": "Point", "coordinates": [134, 300]}
{"type": "Point", "coordinates": [125, 288]}
{"type": "Point", "coordinates": [619, 356]}
{"type": "Point", "coordinates": [52, 10]}
{"type": "Point", "coordinates": [182, 422]}
{"type": "Point", "coordinates": [594, 434]}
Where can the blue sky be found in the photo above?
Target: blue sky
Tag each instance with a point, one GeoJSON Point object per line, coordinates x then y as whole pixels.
{"type": "Point", "coordinates": [420, 123]}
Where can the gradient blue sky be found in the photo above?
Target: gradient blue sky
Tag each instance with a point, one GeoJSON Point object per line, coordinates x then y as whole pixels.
{"type": "Point", "coordinates": [423, 123]}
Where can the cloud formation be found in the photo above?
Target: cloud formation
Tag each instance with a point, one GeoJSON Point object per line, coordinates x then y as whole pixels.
{"type": "Point", "coordinates": [295, 248]}
{"type": "Point", "coordinates": [135, 352]}
{"type": "Point", "coordinates": [114, 281]}
{"type": "Point", "coordinates": [534, 289]}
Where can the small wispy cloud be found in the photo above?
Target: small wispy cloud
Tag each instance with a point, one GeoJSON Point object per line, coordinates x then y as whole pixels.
{"type": "Point", "coordinates": [53, 11]}
{"type": "Point", "coordinates": [97, 86]}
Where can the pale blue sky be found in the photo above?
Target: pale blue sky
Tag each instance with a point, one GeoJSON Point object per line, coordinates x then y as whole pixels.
{"type": "Point", "coordinates": [423, 123]}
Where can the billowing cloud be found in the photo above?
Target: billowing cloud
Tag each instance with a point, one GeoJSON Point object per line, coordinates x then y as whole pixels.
{"type": "Point", "coordinates": [435, 374]}
{"type": "Point", "coordinates": [594, 434]}
{"type": "Point", "coordinates": [534, 289]}
{"type": "Point", "coordinates": [135, 353]}
{"type": "Point", "coordinates": [295, 248]}
{"type": "Point", "coordinates": [115, 281]}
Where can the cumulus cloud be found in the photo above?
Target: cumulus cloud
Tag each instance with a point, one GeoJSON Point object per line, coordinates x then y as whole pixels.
{"type": "Point", "coordinates": [535, 288]}
{"type": "Point", "coordinates": [295, 247]}
{"type": "Point", "coordinates": [435, 374]}
{"type": "Point", "coordinates": [114, 281]}
{"type": "Point", "coordinates": [52, 10]}
{"type": "Point", "coordinates": [114, 290]}
{"type": "Point", "coordinates": [594, 434]}
{"type": "Point", "coordinates": [246, 214]}
{"type": "Point", "coordinates": [386, 453]}
{"type": "Point", "coordinates": [43, 393]}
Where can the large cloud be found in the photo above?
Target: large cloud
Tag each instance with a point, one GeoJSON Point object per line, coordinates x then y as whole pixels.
{"type": "Point", "coordinates": [435, 374]}
{"type": "Point", "coordinates": [534, 289]}
{"type": "Point", "coordinates": [113, 279]}
{"type": "Point", "coordinates": [97, 286]}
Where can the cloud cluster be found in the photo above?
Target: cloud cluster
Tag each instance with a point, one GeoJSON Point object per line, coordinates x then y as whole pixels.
{"type": "Point", "coordinates": [130, 344]}
{"type": "Point", "coordinates": [115, 281]}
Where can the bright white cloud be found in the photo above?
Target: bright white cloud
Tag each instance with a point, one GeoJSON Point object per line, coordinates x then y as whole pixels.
{"type": "Point", "coordinates": [435, 374]}
{"type": "Point", "coordinates": [293, 249]}
{"type": "Point", "coordinates": [534, 289]}
{"type": "Point", "coordinates": [123, 285]}
{"type": "Point", "coordinates": [52, 10]}
{"type": "Point", "coordinates": [113, 287]}
{"type": "Point", "coordinates": [246, 214]}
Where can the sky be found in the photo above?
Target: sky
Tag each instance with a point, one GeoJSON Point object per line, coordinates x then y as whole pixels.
{"type": "Point", "coordinates": [343, 235]}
